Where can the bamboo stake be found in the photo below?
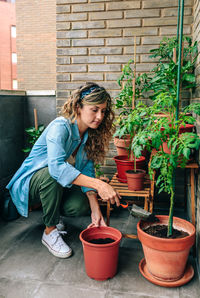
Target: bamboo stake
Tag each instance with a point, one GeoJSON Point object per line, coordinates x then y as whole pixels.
{"type": "Point", "coordinates": [174, 59]}
{"type": "Point", "coordinates": [35, 119]}
{"type": "Point", "coordinates": [134, 56]}
{"type": "Point", "coordinates": [133, 100]}
{"type": "Point", "coordinates": [174, 55]}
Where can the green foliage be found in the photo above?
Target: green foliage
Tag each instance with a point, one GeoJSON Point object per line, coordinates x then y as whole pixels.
{"type": "Point", "coordinates": [132, 125]}
{"type": "Point", "coordinates": [125, 81]}
{"type": "Point", "coordinates": [167, 129]}
{"type": "Point", "coordinates": [33, 135]}
{"type": "Point", "coordinates": [163, 77]}
{"type": "Point", "coordinates": [145, 128]}
{"type": "Point", "coordinates": [98, 172]}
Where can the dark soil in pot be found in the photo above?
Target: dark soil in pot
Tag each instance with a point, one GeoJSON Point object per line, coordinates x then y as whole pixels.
{"type": "Point", "coordinates": [161, 232]}
{"type": "Point", "coordinates": [102, 241]}
{"type": "Point", "coordinates": [133, 172]}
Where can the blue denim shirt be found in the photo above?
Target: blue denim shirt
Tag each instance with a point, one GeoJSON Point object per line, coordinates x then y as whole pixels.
{"type": "Point", "coordinates": [58, 141]}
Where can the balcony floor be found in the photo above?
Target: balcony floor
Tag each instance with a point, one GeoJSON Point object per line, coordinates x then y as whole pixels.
{"type": "Point", "coordinates": [28, 270]}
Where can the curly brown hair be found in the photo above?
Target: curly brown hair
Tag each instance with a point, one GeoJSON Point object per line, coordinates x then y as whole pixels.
{"type": "Point", "coordinates": [98, 139]}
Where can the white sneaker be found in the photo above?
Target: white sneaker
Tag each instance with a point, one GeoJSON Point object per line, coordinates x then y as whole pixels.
{"type": "Point", "coordinates": [55, 244]}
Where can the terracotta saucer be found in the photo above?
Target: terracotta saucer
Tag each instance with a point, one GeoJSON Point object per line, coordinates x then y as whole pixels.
{"type": "Point", "coordinates": [121, 179]}
{"type": "Point", "coordinates": [188, 275]}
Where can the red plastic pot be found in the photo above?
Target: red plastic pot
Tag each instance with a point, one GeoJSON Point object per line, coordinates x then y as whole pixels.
{"type": "Point", "coordinates": [124, 164]}
{"type": "Point", "coordinates": [101, 260]}
{"type": "Point", "coordinates": [166, 258]}
{"type": "Point", "coordinates": [135, 180]}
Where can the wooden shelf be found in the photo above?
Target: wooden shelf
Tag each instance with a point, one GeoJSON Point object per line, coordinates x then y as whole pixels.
{"type": "Point", "coordinates": [146, 194]}
{"type": "Point", "coordinates": [123, 190]}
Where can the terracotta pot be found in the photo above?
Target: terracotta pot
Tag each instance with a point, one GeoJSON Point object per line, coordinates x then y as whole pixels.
{"type": "Point", "coordinates": [162, 115]}
{"type": "Point", "coordinates": [166, 258]}
{"type": "Point", "coordinates": [182, 129]}
{"type": "Point", "coordinates": [122, 145]}
{"type": "Point", "coordinates": [165, 148]}
{"type": "Point", "coordinates": [135, 180]}
{"type": "Point", "coordinates": [100, 259]}
{"type": "Point", "coordinates": [187, 128]}
{"type": "Point", "coordinates": [124, 164]}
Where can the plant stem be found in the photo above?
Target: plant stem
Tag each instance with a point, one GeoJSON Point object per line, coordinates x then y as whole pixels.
{"type": "Point", "coordinates": [134, 163]}
{"type": "Point", "coordinates": [170, 222]}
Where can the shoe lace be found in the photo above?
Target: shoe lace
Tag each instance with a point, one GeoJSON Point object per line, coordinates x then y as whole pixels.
{"type": "Point", "coordinates": [58, 239]}
{"type": "Point", "coordinates": [62, 232]}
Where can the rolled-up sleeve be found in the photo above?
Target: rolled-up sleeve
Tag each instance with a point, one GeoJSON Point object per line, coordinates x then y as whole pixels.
{"type": "Point", "coordinates": [57, 137]}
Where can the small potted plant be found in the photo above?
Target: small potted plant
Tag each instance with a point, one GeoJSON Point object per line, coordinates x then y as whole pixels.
{"type": "Point", "coordinates": [132, 124]}
{"type": "Point", "coordinates": [99, 173]}
{"type": "Point", "coordinates": [33, 134]}
{"type": "Point", "coordinates": [123, 106]}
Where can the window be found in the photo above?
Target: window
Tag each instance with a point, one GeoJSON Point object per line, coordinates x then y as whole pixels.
{"type": "Point", "coordinates": [14, 58]}
{"type": "Point", "coordinates": [15, 85]}
{"type": "Point", "coordinates": [13, 31]}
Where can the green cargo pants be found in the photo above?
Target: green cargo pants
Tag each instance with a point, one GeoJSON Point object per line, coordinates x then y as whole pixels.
{"type": "Point", "coordinates": [55, 199]}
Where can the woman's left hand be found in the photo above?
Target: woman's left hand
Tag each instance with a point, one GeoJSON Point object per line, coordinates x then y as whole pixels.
{"type": "Point", "coordinates": [97, 220]}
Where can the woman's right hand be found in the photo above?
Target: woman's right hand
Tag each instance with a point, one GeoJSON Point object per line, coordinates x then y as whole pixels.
{"type": "Point", "coordinates": [108, 193]}
{"type": "Point", "coordinates": [105, 191]}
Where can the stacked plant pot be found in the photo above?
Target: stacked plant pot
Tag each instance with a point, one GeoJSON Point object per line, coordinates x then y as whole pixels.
{"type": "Point", "coordinates": [125, 165]}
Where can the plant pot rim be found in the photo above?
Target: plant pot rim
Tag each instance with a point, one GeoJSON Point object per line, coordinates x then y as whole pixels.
{"type": "Point", "coordinates": [125, 136]}
{"type": "Point", "coordinates": [105, 231]}
{"type": "Point", "coordinates": [133, 171]}
{"type": "Point", "coordinates": [164, 240]}
{"type": "Point", "coordinates": [125, 158]}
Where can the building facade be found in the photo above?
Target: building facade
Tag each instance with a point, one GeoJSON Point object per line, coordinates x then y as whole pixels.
{"type": "Point", "coordinates": [95, 38]}
{"type": "Point", "coordinates": [8, 54]}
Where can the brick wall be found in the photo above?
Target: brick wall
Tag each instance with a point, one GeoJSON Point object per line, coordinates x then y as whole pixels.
{"type": "Point", "coordinates": [36, 44]}
{"type": "Point", "coordinates": [96, 38]}
{"type": "Point", "coordinates": [7, 46]}
{"type": "Point", "coordinates": [196, 37]}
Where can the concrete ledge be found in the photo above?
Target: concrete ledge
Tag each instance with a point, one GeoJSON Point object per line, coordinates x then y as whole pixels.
{"type": "Point", "coordinates": [41, 93]}
{"type": "Point", "coordinates": [13, 92]}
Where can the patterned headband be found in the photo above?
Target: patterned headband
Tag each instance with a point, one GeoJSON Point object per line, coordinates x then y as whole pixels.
{"type": "Point", "coordinates": [88, 91]}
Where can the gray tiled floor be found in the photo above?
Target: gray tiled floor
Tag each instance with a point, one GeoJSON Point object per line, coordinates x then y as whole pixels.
{"type": "Point", "coordinates": [28, 270]}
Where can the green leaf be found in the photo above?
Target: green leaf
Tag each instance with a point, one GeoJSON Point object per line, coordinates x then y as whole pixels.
{"type": "Point", "coordinates": [186, 152]}
{"type": "Point", "coordinates": [189, 77]}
